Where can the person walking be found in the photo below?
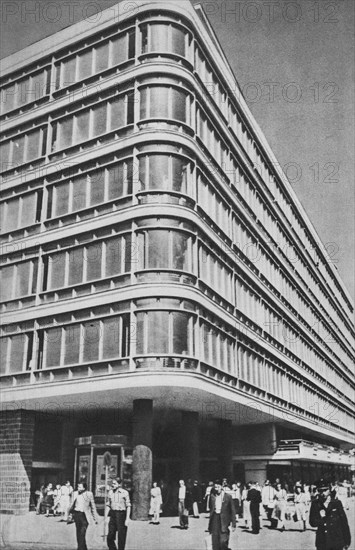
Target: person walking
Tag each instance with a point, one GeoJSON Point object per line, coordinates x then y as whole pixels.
{"type": "Point", "coordinates": [327, 514]}
{"type": "Point", "coordinates": [267, 499]}
{"type": "Point", "coordinates": [280, 505]}
{"type": "Point", "coordinates": [65, 499]}
{"type": "Point", "coordinates": [246, 507]}
{"type": "Point", "coordinates": [40, 495]}
{"type": "Point", "coordinates": [185, 501]}
{"type": "Point", "coordinates": [48, 499]}
{"type": "Point", "coordinates": [82, 509]}
{"type": "Point", "coordinates": [222, 516]}
{"type": "Point", "coordinates": [254, 497]}
{"type": "Point", "coordinates": [236, 496]}
{"type": "Point", "coordinates": [119, 509]}
{"type": "Point", "coordinates": [196, 499]}
{"type": "Point", "coordinates": [155, 503]}
{"type": "Point", "coordinates": [300, 500]}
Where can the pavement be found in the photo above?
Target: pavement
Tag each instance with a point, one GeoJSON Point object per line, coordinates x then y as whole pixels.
{"type": "Point", "coordinates": [32, 532]}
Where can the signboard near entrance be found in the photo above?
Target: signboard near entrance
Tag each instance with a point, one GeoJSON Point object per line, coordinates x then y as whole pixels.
{"type": "Point", "coordinates": [100, 473]}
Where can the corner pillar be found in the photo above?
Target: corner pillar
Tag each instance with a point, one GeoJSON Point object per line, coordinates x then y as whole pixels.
{"type": "Point", "coordinates": [225, 429]}
{"type": "Point", "coordinates": [142, 437]}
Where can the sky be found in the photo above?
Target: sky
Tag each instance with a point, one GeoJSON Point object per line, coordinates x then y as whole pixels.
{"type": "Point", "coordinates": [294, 63]}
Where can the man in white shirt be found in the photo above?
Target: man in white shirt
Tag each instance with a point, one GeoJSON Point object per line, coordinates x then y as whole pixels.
{"type": "Point", "coordinates": [83, 508]}
{"type": "Point", "coordinates": [119, 509]}
{"type": "Point", "coordinates": [267, 499]}
{"type": "Point", "coordinates": [183, 505]}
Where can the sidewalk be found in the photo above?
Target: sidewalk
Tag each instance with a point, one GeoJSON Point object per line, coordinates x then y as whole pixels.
{"type": "Point", "coordinates": [31, 532]}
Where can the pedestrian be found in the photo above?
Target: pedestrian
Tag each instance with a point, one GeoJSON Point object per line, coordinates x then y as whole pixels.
{"type": "Point", "coordinates": [208, 495]}
{"type": "Point", "coordinates": [254, 497]}
{"type": "Point", "coordinates": [300, 500]}
{"type": "Point", "coordinates": [236, 496]}
{"type": "Point", "coordinates": [246, 506]}
{"type": "Point", "coordinates": [267, 500]}
{"type": "Point", "coordinates": [82, 509]}
{"type": "Point", "coordinates": [327, 514]}
{"type": "Point", "coordinates": [196, 499]}
{"type": "Point", "coordinates": [185, 500]}
{"type": "Point", "coordinates": [279, 512]}
{"type": "Point", "coordinates": [48, 499]}
{"type": "Point", "coordinates": [155, 503]}
{"type": "Point", "coordinates": [222, 516]}
{"type": "Point", "coordinates": [56, 499]}
{"type": "Point", "coordinates": [119, 509]}
{"type": "Point", "coordinates": [40, 497]}
{"type": "Point", "coordinates": [65, 499]}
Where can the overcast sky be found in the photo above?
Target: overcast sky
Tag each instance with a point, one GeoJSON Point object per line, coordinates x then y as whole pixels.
{"type": "Point", "coordinates": [294, 62]}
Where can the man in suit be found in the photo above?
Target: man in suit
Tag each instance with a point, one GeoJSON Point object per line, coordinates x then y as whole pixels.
{"type": "Point", "coordinates": [83, 508]}
{"type": "Point", "coordinates": [254, 497]}
{"type": "Point", "coordinates": [222, 516]}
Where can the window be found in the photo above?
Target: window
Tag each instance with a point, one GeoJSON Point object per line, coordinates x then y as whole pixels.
{"type": "Point", "coordinates": [162, 37]}
{"type": "Point", "coordinates": [81, 132]}
{"type": "Point", "coordinates": [165, 249]}
{"type": "Point", "coordinates": [180, 333]}
{"type": "Point", "coordinates": [65, 133]}
{"type": "Point", "coordinates": [72, 344]}
{"type": "Point", "coordinates": [91, 341]}
{"type": "Point", "coordinates": [68, 70]}
{"type": "Point", "coordinates": [76, 265]}
{"type": "Point", "coordinates": [17, 353]}
{"type": "Point", "coordinates": [97, 186]}
{"type": "Point", "coordinates": [93, 261]}
{"type": "Point", "coordinates": [100, 119]}
{"type": "Point", "coordinates": [61, 199]}
{"type": "Point", "coordinates": [163, 102]}
{"type": "Point", "coordinates": [85, 64]}
{"type": "Point", "coordinates": [163, 172]}
{"type": "Point", "coordinates": [6, 283]}
{"type": "Point", "coordinates": [101, 57]}
{"type": "Point", "coordinates": [111, 337]}
{"type": "Point", "coordinates": [117, 113]}
{"type": "Point", "coordinates": [164, 332]}
{"type": "Point", "coordinates": [53, 347]}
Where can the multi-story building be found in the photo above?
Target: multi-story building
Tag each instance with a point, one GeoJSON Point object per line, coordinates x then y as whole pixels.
{"type": "Point", "coordinates": [164, 295]}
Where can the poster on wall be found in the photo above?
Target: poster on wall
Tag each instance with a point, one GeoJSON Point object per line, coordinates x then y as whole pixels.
{"type": "Point", "coordinates": [100, 473]}
{"type": "Point", "coordinates": [84, 469]}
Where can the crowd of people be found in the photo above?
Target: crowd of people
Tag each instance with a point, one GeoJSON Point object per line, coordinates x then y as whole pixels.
{"type": "Point", "coordinates": [320, 506]}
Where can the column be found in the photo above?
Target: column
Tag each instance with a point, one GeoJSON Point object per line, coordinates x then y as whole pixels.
{"type": "Point", "coordinates": [16, 449]}
{"type": "Point", "coordinates": [142, 436]}
{"type": "Point", "coordinates": [225, 430]}
{"type": "Point", "coordinates": [190, 446]}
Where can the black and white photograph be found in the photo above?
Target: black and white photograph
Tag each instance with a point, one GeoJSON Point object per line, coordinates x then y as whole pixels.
{"type": "Point", "coordinates": [177, 215]}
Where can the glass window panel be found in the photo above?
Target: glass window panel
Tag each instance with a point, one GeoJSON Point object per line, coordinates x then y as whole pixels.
{"type": "Point", "coordinates": [23, 88]}
{"type": "Point", "coordinates": [17, 353]}
{"type": "Point", "coordinates": [6, 280]}
{"type": "Point", "coordinates": [101, 60]}
{"type": "Point", "coordinates": [8, 98]}
{"type": "Point", "coordinates": [57, 270]}
{"type": "Point", "coordinates": [178, 105]}
{"type": "Point", "coordinates": [180, 170]}
{"type": "Point", "coordinates": [159, 172]}
{"type": "Point", "coordinates": [180, 251]}
{"type": "Point", "coordinates": [28, 211]}
{"type": "Point", "coordinates": [85, 64]}
{"type": "Point", "coordinates": [128, 253]}
{"type": "Point", "coordinates": [93, 257]}
{"type": "Point", "coordinates": [22, 279]}
{"type": "Point", "coordinates": [5, 156]}
{"type": "Point", "coordinates": [37, 86]}
{"type": "Point", "coordinates": [158, 249]}
{"type": "Point", "coordinates": [180, 333]}
{"type": "Point", "coordinates": [131, 43]}
{"type": "Point", "coordinates": [61, 199]}
{"type": "Point", "coordinates": [12, 215]}
{"type": "Point", "coordinates": [81, 127]}
{"type": "Point", "coordinates": [129, 176]}
{"type": "Point", "coordinates": [159, 41]}
{"type": "Point", "coordinates": [65, 133]}
{"type": "Point", "coordinates": [141, 344]}
{"type": "Point", "coordinates": [34, 276]}
{"type": "Point", "coordinates": [117, 119]}
{"type": "Point", "coordinates": [143, 173]}
{"type": "Point", "coordinates": [91, 341]}
{"type": "Point", "coordinates": [144, 38]}
{"type": "Point", "coordinates": [79, 193]}
{"type": "Point", "coordinates": [76, 265]}
{"type": "Point", "coordinates": [100, 119]}
{"type": "Point", "coordinates": [68, 72]}
{"type": "Point", "coordinates": [115, 181]}
{"type": "Point", "coordinates": [119, 49]}
{"type": "Point", "coordinates": [113, 256]}
{"type": "Point", "coordinates": [72, 344]}
{"type": "Point", "coordinates": [159, 102]}
{"type": "Point", "coordinates": [53, 346]}
{"type": "Point", "coordinates": [33, 140]}
{"type": "Point", "coordinates": [158, 332]}
{"type": "Point", "coordinates": [111, 338]}
{"type": "Point", "coordinates": [18, 149]}
{"type": "Point", "coordinates": [143, 103]}
{"type": "Point", "coordinates": [97, 186]}
{"type": "Point", "coordinates": [178, 41]}
{"type": "Point", "coordinates": [4, 344]}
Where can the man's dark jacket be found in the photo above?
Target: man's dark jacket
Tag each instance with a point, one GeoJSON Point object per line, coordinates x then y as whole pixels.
{"type": "Point", "coordinates": [254, 496]}
{"type": "Point", "coordinates": [332, 530]}
{"type": "Point", "coordinates": [227, 512]}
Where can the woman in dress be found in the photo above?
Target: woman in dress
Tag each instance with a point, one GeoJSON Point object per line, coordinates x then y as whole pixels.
{"type": "Point", "coordinates": [65, 500]}
{"type": "Point", "coordinates": [48, 499]}
{"type": "Point", "coordinates": [300, 500]}
{"type": "Point", "coordinates": [280, 505]}
{"type": "Point", "coordinates": [246, 506]}
{"type": "Point", "coordinates": [155, 503]}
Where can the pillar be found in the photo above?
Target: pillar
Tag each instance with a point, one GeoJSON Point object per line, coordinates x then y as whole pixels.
{"type": "Point", "coordinates": [225, 430]}
{"type": "Point", "coordinates": [142, 436]}
{"type": "Point", "coordinates": [190, 446]}
{"type": "Point", "coordinates": [16, 450]}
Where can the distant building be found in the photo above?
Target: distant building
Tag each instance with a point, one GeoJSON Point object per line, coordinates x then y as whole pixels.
{"type": "Point", "coordinates": [164, 295]}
